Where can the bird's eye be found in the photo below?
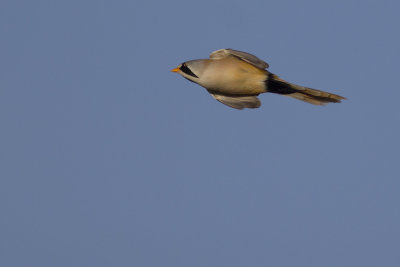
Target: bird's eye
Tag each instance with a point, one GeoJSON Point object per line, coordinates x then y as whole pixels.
{"type": "Point", "coordinates": [186, 70]}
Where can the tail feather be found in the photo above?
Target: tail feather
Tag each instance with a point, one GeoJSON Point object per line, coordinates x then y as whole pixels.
{"type": "Point", "coordinates": [274, 84]}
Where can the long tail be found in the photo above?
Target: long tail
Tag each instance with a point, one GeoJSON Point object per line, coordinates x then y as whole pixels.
{"type": "Point", "coordinates": [274, 84]}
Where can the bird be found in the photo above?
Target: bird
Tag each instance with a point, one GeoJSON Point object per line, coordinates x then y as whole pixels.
{"type": "Point", "coordinates": [236, 78]}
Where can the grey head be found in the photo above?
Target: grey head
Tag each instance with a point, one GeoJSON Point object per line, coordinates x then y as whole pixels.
{"type": "Point", "coordinates": [192, 69]}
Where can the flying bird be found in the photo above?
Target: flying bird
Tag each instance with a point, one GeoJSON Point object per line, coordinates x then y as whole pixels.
{"type": "Point", "coordinates": [236, 78]}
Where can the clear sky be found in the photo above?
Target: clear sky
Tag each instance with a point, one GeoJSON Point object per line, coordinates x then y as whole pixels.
{"type": "Point", "coordinates": [109, 159]}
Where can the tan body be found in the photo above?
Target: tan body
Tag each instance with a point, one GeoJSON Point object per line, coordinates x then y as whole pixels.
{"type": "Point", "coordinates": [236, 78]}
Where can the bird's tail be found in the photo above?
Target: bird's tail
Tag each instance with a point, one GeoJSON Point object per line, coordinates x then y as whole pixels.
{"type": "Point", "coordinates": [274, 84]}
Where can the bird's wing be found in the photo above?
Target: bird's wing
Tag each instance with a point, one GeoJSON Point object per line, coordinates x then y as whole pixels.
{"type": "Point", "coordinates": [238, 102]}
{"type": "Point", "coordinates": [249, 58]}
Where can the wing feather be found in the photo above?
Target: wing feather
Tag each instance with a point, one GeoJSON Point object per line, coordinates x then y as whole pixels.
{"type": "Point", "coordinates": [238, 102]}
{"type": "Point", "coordinates": [249, 58]}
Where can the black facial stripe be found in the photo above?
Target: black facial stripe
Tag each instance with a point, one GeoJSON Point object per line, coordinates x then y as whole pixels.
{"type": "Point", "coordinates": [186, 70]}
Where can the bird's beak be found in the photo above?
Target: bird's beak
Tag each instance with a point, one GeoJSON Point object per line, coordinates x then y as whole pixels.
{"type": "Point", "coordinates": [175, 70]}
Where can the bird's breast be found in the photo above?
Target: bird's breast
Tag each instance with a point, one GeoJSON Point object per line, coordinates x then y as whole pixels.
{"type": "Point", "coordinates": [233, 77]}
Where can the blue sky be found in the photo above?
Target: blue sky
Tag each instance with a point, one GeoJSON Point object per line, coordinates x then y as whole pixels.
{"type": "Point", "coordinates": [109, 159]}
